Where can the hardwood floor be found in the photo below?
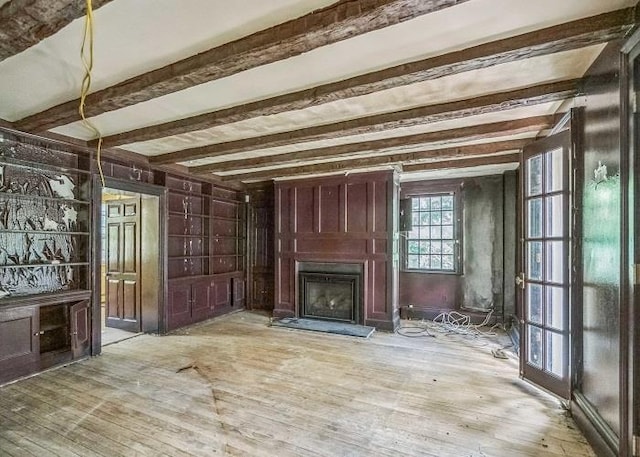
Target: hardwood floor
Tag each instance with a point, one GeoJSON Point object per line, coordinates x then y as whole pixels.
{"type": "Point", "coordinates": [235, 386]}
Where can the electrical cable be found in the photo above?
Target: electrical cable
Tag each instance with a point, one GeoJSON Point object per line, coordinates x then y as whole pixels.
{"type": "Point", "coordinates": [414, 331]}
{"type": "Point", "coordinates": [451, 324]}
{"type": "Point", "coordinates": [460, 324]}
{"type": "Point", "coordinates": [87, 41]}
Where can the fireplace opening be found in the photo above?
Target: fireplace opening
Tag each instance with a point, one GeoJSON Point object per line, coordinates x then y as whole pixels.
{"type": "Point", "coordinates": [331, 296]}
{"type": "Point", "coordinates": [331, 291]}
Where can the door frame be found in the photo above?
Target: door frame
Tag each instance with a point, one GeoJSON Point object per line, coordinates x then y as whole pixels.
{"type": "Point", "coordinates": [630, 247]}
{"type": "Point", "coordinates": [139, 188]}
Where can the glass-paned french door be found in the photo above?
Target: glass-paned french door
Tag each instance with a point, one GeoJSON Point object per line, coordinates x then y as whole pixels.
{"type": "Point", "coordinates": [545, 274]}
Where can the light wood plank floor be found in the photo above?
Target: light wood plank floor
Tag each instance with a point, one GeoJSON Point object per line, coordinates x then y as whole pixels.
{"type": "Point", "coordinates": [256, 390]}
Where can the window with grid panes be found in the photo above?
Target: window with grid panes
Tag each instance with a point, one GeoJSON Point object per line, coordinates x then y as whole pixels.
{"type": "Point", "coordinates": [431, 244]}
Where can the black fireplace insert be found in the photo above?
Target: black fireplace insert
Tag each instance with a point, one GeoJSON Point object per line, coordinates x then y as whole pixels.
{"type": "Point", "coordinates": [332, 296]}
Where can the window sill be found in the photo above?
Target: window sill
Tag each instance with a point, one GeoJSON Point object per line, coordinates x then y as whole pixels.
{"type": "Point", "coordinates": [431, 272]}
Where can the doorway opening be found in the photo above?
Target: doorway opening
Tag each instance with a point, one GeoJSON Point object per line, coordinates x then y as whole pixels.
{"type": "Point", "coordinates": [130, 268]}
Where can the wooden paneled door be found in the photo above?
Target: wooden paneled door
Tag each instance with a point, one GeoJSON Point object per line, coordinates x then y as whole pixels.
{"type": "Point", "coordinates": [545, 275]}
{"type": "Point", "coordinates": [122, 262]}
{"type": "Point", "coordinates": [261, 263]}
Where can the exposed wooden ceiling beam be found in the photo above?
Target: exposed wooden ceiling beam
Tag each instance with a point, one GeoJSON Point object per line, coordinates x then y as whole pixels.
{"type": "Point", "coordinates": [24, 23]}
{"type": "Point", "coordinates": [346, 165]}
{"type": "Point", "coordinates": [564, 37]}
{"type": "Point", "coordinates": [474, 132]}
{"type": "Point", "coordinates": [342, 20]}
{"type": "Point", "coordinates": [388, 121]}
{"type": "Point", "coordinates": [464, 163]}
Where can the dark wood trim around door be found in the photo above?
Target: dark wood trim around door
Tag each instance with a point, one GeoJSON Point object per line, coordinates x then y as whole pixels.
{"type": "Point", "coordinates": [140, 188]}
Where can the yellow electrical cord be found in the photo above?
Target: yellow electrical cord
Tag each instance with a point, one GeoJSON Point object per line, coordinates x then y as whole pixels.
{"type": "Point", "coordinates": [87, 40]}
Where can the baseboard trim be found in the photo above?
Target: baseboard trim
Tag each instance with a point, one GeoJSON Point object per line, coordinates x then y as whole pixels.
{"type": "Point", "coordinates": [599, 434]}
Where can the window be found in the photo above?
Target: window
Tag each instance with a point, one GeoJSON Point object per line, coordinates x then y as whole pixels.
{"type": "Point", "coordinates": [431, 245]}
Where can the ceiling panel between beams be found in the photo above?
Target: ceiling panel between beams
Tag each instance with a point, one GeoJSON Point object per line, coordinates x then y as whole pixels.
{"type": "Point", "coordinates": [514, 75]}
{"type": "Point", "coordinates": [518, 113]}
{"type": "Point", "coordinates": [132, 37]}
{"type": "Point", "coordinates": [451, 29]}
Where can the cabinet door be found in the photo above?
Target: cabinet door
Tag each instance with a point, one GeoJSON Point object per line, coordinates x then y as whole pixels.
{"type": "Point", "coordinates": [19, 342]}
{"type": "Point", "coordinates": [179, 305]}
{"type": "Point", "coordinates": [80, 334]}
{"type": "Point", "coordinates": [238, 292]}
{"type": "Point", "coordinates": [200, 293]}
{"type": "Point", "coordinates": [222, 297]}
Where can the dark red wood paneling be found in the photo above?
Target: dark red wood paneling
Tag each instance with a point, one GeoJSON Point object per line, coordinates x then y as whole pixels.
{"type": "Point", "coordinates": [337, 219]}
{"type": "Point", "coordinates": [179, 306]}
{"type": "Point", "coordinates": [380, 206]}
{"type": "Point", "coordinates": [286, 275]}
{"type": "Point", "coordinates": [379, 306]}
{"type": "Point", "coordinates": [238, 298]}
{"type": "Point", "coordinates": [304, 220]}
{"type": "Point", "coordinates": [200, 291]}
{"type": "Point", "coordinates": [357, 207]}
{"type": "Point", "coordinates": [437, 292]}
{"type": "Point", "coordinates": [222, 294]}
{"type": "Point", "coordinates": [19, 344]}
{"type": "Point", "coordinates": [329, 209]}
{"type": "Point", "coordinates": [379, 246]}
{"type": "Point", "coordinates": [332, 245]}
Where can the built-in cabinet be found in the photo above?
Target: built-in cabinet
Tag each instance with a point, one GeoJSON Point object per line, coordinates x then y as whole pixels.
{"type": "Point", "coordinates": [45, 231]}
{"type": "Point", "coordinates": [206, 250]}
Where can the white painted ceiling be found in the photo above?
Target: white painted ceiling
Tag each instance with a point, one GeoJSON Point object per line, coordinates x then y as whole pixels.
{"type": "Point", "coordinates": [137, 36]}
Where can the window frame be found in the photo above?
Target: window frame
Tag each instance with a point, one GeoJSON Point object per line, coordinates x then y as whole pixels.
{"type": "Point", "coordinates": [457, 233]}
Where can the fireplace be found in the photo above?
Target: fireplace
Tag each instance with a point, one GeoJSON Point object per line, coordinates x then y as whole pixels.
{"type": "Point", "coordinates": [330, 291]}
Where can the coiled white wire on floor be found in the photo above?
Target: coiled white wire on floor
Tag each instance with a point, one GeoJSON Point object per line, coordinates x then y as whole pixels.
{"type": "Point", "coordinates": [451, 323]}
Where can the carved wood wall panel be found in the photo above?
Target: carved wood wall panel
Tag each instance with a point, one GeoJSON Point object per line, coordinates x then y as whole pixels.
{"type": "Point", "coordinates": [337, 219]}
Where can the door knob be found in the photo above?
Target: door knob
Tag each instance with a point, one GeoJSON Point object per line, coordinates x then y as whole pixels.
{"type": "Point", "coordinates": [520, 280]}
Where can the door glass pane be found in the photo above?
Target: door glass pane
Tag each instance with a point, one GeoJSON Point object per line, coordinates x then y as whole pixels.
{"type": "Point", "coordinates": [534, 260]}
{"type": "Point", "coordinates": [534, 175]}
{"type": "Point", "coordinates": [554, 171]}
{"type": "Point", "coordinates": [534, 344]}
{"type": "Point", "coordinates": [555, 268]}
{"type": "Point", "coordinates": [555, 308]}
{"type": "Point", "coordinates": [534, 302]}
{"type": "Point", "coordinates": [534, 229]}
{"type": "Point", "coordinates": [555, 216]}
{"type": "Point", "coordinates": [554, 360]}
